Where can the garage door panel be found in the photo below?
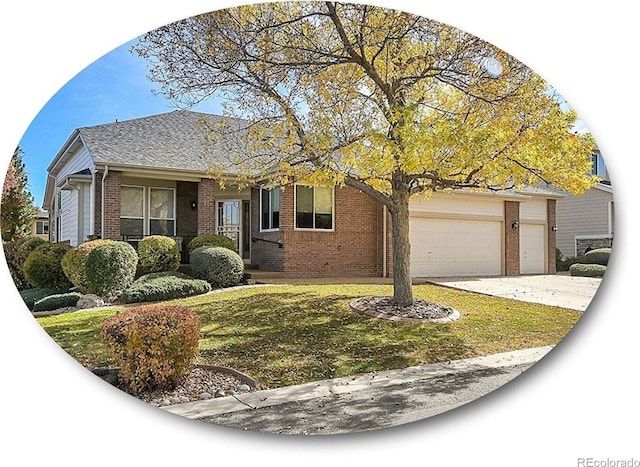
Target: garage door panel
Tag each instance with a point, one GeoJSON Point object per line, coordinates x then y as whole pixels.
{"type": "Point", "coordinates": [443, 247]}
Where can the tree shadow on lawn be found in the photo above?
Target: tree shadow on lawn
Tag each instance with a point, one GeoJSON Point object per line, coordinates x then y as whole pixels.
{"type": "Point", "coordinates": [283, 338]}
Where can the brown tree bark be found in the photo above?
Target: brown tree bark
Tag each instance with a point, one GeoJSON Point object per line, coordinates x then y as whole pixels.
{"type": "Point", "coordinates": [402, 284]}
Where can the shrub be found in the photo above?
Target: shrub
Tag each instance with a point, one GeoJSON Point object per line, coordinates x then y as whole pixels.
{"type": "Point", "coordinates": [110, 269]}
{"type": "Point", "coordinates": [598, 256]}
{"type": "Point", "coordinates": [53, 302]}
{"type": "Point", "coordinates": [158, 253]}
{"type": "Point", "coordinates": [163, 286]}
{"type": "Point", "coordinates": [16, 253]}
{"type": "Point", "coordinates": [154, 345]}
{"type": "Point", "coordinates": [31, 296]}
{"type": "Point", "coordinates": [587, 270]}
{"type": "Point", "coordinates": [219, 266]}
{"type": "Point", "coordinates": [42, 267]}
{"type": "Point", "coordinates": [74, 263]}
{"type": "Point", "coordinates": [212, 240]}
{"type": "Point", "coordinates": [566, 263]}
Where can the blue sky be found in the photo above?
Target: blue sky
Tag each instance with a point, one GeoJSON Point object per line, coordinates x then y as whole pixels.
{"type": "Point", "coordinates": [113, 87]}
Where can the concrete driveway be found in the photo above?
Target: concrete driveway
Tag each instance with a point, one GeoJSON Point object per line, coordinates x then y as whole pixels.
{"type": "Point", "coordinates": [556, 290]}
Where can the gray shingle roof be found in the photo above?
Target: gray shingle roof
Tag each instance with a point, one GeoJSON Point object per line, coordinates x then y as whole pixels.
{"type": "Point", "coordinates": [173, 141]}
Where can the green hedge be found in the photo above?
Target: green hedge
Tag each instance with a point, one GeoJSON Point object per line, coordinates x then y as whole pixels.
{"type": "Point", "coordinates": [53, 302]}
{"type": "Point", "coordinates": [219, 266]}
{"type": "Point", "coordinates": [16, 253]}
{"type": "Point", "coordinates": [587, 270]}
{"type": "Point", "coordinates": [158, 253]}
{"type": "Point", "coordinates": [599, 256]}
{"type": "Point", "coordinates": [42, 268]}
{"type": "Point", "coordinates": [31, 296]}
{"type": "Point", "coordinates": [111, 269]}
{"type": "Point", "coordinates": [74, 263]}
{"type": "Point", "coordinates": [212, 240]}
{"type": "Point", "coordinates": [164, 286]}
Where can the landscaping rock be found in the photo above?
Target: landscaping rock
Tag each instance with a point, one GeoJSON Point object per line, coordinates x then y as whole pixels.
{"type": "Point", "coordinates": [204, 396]}
{"type": "Point", "coordinates": [244, 388]}
{"type": "Point", "coordinates": [89, 301]}
{"type": "Point", "coordinates": [220, 393]}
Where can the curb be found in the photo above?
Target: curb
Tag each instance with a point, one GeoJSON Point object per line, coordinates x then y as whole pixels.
{"type": "Point", "coordinates": [349, 384]}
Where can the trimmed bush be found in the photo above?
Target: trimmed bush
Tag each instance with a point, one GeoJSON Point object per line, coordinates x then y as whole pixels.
{"type": "Point", "coordinates": [53, 302]}
{"type": "Point", "coordinates": [74, 263]}
{"type": "Point", "coordinates": [154, 345]}
{"type": "Point", "coordinates": [598, 256]}
{"type": "Point", "coordinates": [219, 266]}
{"type": "Point", "coordinates": [111, 269]}
{"type": "Point", "coordinates": [587, 270]}
{"type": "Point", "coordinates": [212, 240]}
{"type": "Point", "coordinates": [158, 253]}
{"type": "Point", "coordinates": [164, 286]}
{"type": "Point", "coordinates": [31, 296]}
{"type": "Point", "coordinates": [42, 267]}
{"type": "Point", "coordinates": [16, 253]}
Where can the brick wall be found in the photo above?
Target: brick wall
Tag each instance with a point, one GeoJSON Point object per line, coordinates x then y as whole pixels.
{"type": "Point", "coordinates": [186, 217]}
{"type": "Point", "coordinates": [112, 186]}
{"type": "Point", "coordinates": [511, 238]}
{"type": "Point", "coordinates": [352, 249]}
{"type": "Point", "coordinates": [206, 207]}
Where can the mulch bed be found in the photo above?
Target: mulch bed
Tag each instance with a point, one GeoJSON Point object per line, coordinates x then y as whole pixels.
{"type": "Point", "coordinates": [422, 311]}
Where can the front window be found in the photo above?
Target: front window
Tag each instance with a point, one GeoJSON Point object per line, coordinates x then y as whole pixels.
{"type": "Point", "coordinates": [42, 227]}
{"type": "Point", "coordinates": [270, 209]}
{"type": "Point", "coordinates": [314, 207]}
{"type": "Point", "coordinates": [157, 219]}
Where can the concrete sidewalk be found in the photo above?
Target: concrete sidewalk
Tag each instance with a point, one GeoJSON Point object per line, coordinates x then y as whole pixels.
{"type": "Point", "coordinates": [360, 384]}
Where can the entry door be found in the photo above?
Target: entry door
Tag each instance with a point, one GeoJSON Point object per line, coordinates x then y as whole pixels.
{"type": "Point", "coordinates": [230, 221]}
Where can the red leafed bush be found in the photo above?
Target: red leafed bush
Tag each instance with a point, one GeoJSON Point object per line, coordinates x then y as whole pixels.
{"type": "Point", "coordinates": [154, 345]}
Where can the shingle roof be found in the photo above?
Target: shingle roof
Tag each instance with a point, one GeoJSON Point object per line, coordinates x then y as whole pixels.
{"type": "Point", "coordinates": [173, 141]}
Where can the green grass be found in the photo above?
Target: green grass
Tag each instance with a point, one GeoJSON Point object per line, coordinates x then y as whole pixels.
{"type": "Point", "coordinates": [284, 335]}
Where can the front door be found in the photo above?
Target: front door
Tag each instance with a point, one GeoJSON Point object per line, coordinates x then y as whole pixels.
{"type": "Point", "coordinates": [230, 221]}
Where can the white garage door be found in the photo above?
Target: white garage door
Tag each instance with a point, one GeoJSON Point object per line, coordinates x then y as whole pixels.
{"type": "Point", "coordinates": [532, 254]}
{"type": "Point", "coordinates": [442, 247]}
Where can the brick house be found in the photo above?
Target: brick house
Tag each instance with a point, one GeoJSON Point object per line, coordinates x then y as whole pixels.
{"type": "Point", "coordinates": [147, 176]}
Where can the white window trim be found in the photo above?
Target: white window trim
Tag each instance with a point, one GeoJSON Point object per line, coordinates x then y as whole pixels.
{"type": "Point", "coordinates": [146, 208]}
{"type": "Point", "coordinates": [333, 210]}
{"type": "Point", "coordinates": [270, 219]}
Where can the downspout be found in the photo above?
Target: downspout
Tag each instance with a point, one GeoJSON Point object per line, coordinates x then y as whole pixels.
{"type": "Point", "coordinates": [104, 176]}
{"type": "Point", "coordinates": [384, 241]}
{"type": "Point", "coordinates": [92, 207]}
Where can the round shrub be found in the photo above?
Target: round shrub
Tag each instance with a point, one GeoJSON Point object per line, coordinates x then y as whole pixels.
{"type": "Point", "coordinates": [164, 286]}
{"type": "Point", "coordinates": [158, 253]}
{"type": "Point", "coordinates": [219, 266]}
{"type": "Point", "coordinates": [14, 262]}
{"type": "Point", "coordinates": [587, 270]}
{"type": "Point", "coordinates": [42, 267]}
{"type": "Point", "coordinates": [212, 240]}
{"type": "Point", "coordinates": [154, 345]}
{"type": "Point", "coordinates": [110, 269]}
{"type": "Point", "coordinates": [74, 263]}
{"type": "Point", "coordinates": [598, 256]}
{"type": "Point", "coordinates": [53, 302]}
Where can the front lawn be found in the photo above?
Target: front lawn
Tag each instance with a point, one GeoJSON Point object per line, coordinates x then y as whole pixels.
{"type": "Point", "coordinates": [284, 335]}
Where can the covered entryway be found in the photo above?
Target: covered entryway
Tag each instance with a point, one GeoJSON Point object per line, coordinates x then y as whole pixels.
{"type": "Point", "coordinates": [455, 247]}
{"type": "Point", "coordinates": [532, 250]}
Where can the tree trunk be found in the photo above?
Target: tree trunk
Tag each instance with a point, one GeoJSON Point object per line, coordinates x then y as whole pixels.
{"type": "Point", "coordinates": [402, 286]}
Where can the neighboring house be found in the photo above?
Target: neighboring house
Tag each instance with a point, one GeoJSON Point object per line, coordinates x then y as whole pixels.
{"type": "Point", "coordinates": [40, 225]}
{"type": "Point", "coordinates": [129, 179]}
{"type": "Point", "coordinates": [587, 221]}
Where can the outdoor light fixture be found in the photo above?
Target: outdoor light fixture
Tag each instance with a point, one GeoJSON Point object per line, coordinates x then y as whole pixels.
{"type": "Point", "coordinates": [514, 225]}
{"type": "Point", "coordinates": [554, 228]}
{"type": "Point", "coordinates": [194, 205]}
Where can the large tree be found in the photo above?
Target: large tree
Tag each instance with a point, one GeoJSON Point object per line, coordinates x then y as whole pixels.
{"type": "Point", "coordinates": [392, 104]}
{"type": "Point", "coordinates": [17, 210]}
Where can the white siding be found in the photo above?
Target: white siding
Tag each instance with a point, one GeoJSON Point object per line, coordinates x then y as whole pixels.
{"type": "Point", "coordinates": [80, 160]}
{"type": "Point", "coordinates": [458, 206]}
{"type": "Point", "coordinates": [585, 215]}
{"type": "Point", "coordinates": [533, 210]}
